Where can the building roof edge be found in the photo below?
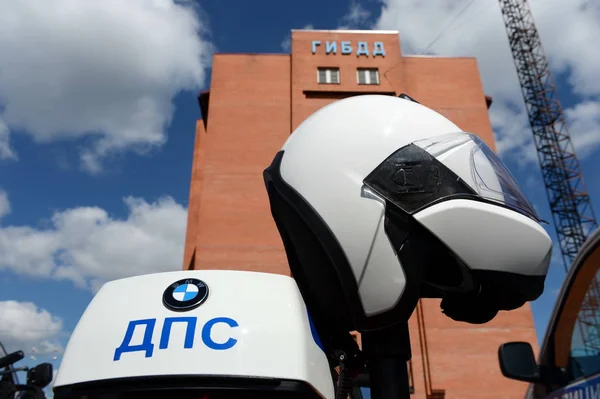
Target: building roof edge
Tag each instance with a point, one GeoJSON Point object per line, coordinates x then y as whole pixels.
{"type": "Point", "coordinates": [251, 53]}
{"type": "Point", "coordinates": [349, 31]}
{"type": "Point", "coordinates": [442, 57]}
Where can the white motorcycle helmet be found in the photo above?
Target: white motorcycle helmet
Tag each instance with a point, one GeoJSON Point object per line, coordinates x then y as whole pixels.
{"type": "Point", "coordinates": [380, 200]}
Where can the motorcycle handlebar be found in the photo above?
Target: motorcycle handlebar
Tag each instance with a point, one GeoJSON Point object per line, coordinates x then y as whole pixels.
{"type": "Point", "coordinates": [11, 358]}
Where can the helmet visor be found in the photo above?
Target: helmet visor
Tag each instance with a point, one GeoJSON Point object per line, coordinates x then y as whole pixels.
{"type": "Point", "coordinates": [479, 167]}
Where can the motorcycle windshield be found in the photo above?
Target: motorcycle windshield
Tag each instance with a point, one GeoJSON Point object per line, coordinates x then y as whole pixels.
{"type": "Point", "coordinates": [200, 387]}
{"type": "Point", "coordinates": [192, 394]}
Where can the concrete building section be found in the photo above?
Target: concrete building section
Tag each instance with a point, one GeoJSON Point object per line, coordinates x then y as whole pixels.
{"type": "Point", "coordinates": [256, 100]}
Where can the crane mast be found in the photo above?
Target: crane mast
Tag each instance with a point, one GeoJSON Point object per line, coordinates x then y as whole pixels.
{"type": "Point", "coordinates": [570, 204]}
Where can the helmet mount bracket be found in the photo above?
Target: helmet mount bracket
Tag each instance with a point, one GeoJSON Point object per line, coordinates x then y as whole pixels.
{"type": "Point", "coordinates": [387, 352]}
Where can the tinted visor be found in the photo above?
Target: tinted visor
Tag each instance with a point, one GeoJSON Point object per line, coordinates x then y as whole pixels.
{"type": "Point", "coordinates": [455, 165]}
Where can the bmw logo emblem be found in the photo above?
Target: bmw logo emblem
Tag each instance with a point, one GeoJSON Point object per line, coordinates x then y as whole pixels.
{"type": "Point", "coordinates": [185, 294]}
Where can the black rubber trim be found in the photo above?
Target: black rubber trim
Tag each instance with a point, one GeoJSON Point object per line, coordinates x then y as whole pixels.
{"type": "Point", "coordinates": [405, 242]}
{"type": "Point", "coordinates": [219, 386]}
{"type": "Point", "coordinates": [407, 97]}
{"type": "Point", "coordinates": [280, 191]}
{"type": "Point", "coordinates": [524, 288]}
{"type": "Point", "coordinates": [481, 307]}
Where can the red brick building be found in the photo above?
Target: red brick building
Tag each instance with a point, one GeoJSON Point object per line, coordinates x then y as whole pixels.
{"type": "Point", "coordinates": [256, 100]}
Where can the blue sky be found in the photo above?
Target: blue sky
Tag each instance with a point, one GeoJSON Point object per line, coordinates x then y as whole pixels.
{"type": "Point", "coordinates": [97, 113]}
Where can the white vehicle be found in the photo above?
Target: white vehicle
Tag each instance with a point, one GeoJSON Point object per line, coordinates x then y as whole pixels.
{"type": "Point", "coordinates": [568, 366]}
{"type": "Point", "coordinates": [191, 334]}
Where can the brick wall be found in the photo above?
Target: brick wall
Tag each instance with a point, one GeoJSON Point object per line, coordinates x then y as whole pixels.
{"type": "Point", "coordinates": [255, 102]}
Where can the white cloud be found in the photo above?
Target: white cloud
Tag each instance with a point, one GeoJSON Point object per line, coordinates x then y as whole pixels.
{"type": "Point", "coordinates": [106, 70]}
{"type": "Point", "coordinates": [6, 151]}
{"type": "Point", "coordinates": [585, 126]}
{"type": "Point", "coordinates": [24, 326]}
{"type": "Point", "coordinates": [287, 43]}
{"type": "Point", "coordinates": [513, 133]}
{"type": "Point", "coordinates": [355, 17]}
{"type": "Point", "coordinates": [480, 32]}
{"type": "Point", "coordinates": [4, 204]}
{"type": "Point", "coordinates": [89, 247]}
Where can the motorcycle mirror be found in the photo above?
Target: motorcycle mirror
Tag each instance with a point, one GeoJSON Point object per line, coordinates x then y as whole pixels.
{"type": "Point", "coordinates": [40, 375]}
{"type": "Point", "coordinates": [11, 358]}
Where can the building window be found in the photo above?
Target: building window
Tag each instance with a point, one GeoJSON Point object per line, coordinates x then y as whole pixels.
{"type": "Point", "coordinates": [367, 76]}
{"type": "Point", "coordinates": [328, 75]}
